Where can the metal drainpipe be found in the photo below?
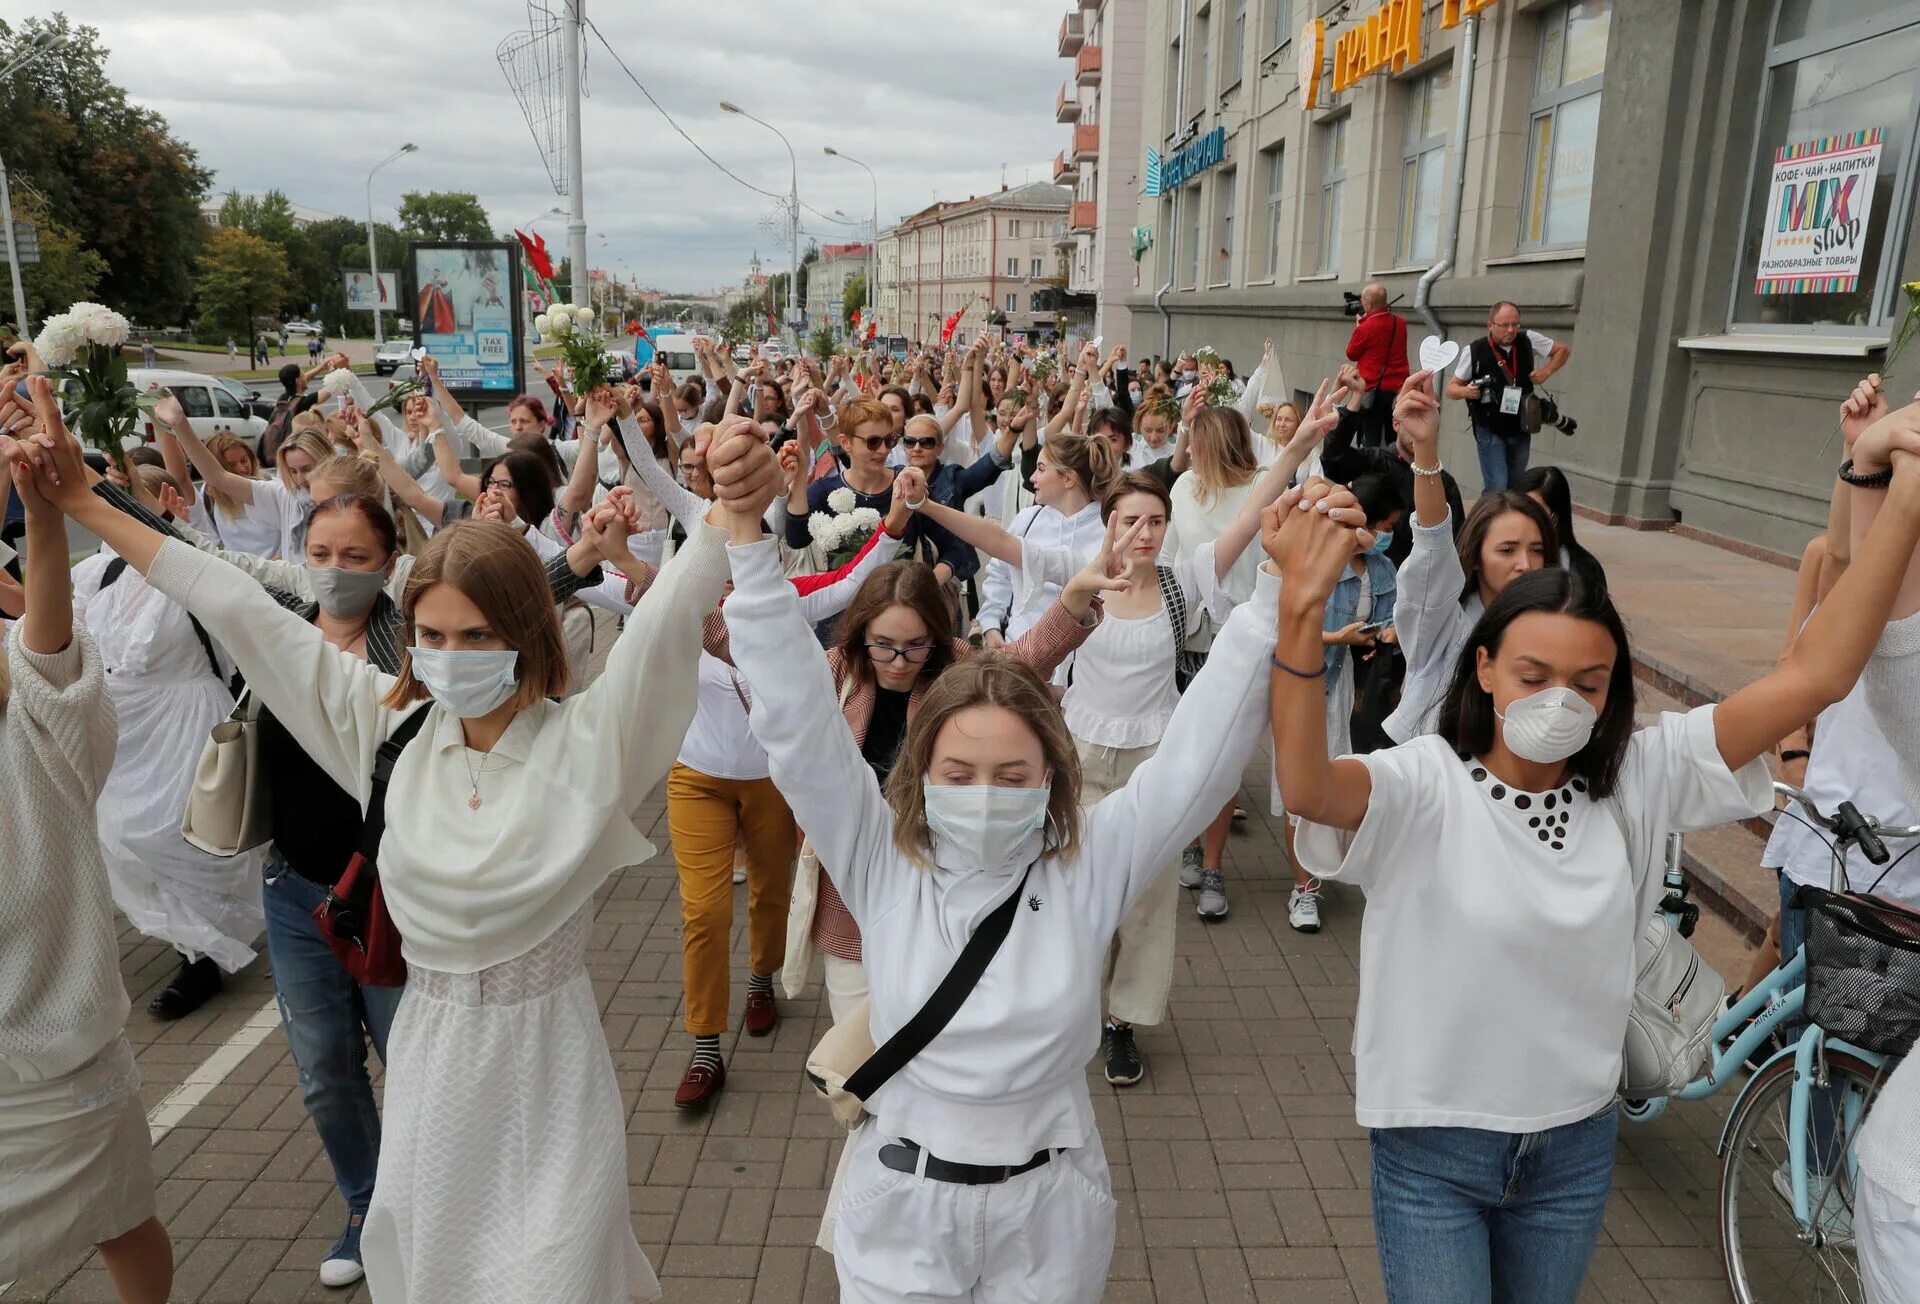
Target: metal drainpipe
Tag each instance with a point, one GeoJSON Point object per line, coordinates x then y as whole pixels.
{"type": "Point", "coordinates": [1450, 233]}
{"type": "Point", "coordinates": [1173, 219]}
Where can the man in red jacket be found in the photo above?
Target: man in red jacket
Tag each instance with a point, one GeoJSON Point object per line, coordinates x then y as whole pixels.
{"type": "Point", "coordinates": [1378, 347]}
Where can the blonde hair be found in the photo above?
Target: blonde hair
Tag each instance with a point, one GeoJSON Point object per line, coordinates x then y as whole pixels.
{"type": "Point", "coordinates": [1088, 458]}
{"type": "Point", "coordinates": [986, 679]}
{"type": "Point", "coordinates": [310, 441]}
{"type": "Point", "coordinates": [492, 566]}
{"type": "Point", "coordinates": [925, 424]}
{"type": "Point", "coordinates": [149, 479]}
{"type": "Point", "coordinates": [219, 442]}
{"type": "Point", "coordinates": [350, 473]}
{"type": "Point", "coordinates": [1273, 421]}
{"type": "Point", "coordinates": [1222, 449]}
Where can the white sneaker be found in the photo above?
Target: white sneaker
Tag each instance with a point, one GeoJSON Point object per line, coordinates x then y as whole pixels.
{"type": "Point", "coordinates": [342, 1267]}
{"type": "Point", "coordinates": [1303, 907]}
{"type": "Point", "coordinates": [1190, 868]}
{"type": "Point", "coordinates": [739, 875]}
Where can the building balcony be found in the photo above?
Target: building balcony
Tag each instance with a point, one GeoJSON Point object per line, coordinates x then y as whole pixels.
{"type": "Point", "coordinates": [1086, 65]}
{"type": "Point", "coordinates": [1085, 216]}
{"type": "Point", "coordinates": [1067, 107]}
{"type": "Point", "coordinates": [1086, 143]}
{"type": "Point", "coordinates": [1066, 171]}
{"type": "Point", "coordinates": [1070, 34]}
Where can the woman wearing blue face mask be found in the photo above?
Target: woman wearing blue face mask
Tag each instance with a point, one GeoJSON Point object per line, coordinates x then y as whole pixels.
{"type": "Point", "coordinates": [980, 1171]}
{"type": "Point", "coordinates": [502, 1162]}
{"type": "Point", "coordinates": [1510, 861]}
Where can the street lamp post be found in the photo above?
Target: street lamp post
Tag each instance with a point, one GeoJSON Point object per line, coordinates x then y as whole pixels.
{"type": "Point", "coordinates": [373, 249]}
{"type": "Point", "coordinates": [46, 45]}
{"type": "Point", "coordinates": [793, 212]}
{"type": "Point", "coordinates": [873, 244]}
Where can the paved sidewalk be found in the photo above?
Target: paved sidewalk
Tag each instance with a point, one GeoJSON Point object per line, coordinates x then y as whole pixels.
{"type": "Point", "coordinates": [1240, 1174]}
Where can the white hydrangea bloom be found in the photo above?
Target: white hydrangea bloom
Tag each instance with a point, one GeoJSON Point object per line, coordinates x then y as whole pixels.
{"type": "Point", "coordinates": [102, 325]}
{"type": "Point", "coordinates": [543, 324]}
{"type": "Point", "coordinates": [842, 501]}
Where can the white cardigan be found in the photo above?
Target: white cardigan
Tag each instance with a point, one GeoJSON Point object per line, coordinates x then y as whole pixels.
{"type": "Point", "coordinates": [61, 998]}
{"type": "Point", "coordinates": [470, 889]}
{"type": "Point", "coordinates": [1006, 1077]}
{"type": "Point", "coordinates": [1433, 626]}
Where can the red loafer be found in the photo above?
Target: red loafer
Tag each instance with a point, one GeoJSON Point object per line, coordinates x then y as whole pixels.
{"type": "Point", "coordinates": [762, 1014]}
{"type": "Point", "coordinates": [700, 1085]}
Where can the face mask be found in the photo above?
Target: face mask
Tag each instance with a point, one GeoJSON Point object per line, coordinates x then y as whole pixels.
{"type": "Point", "coordinates": [1548, 726]}
{"type": "Point", "coordinates": [1134, 392]}
{"type": "Point", "coordinates": [1381, 543]}
{"type": "Point", "coordinates": [344, 594]}
{"type": "Point", "coordinates": [469, 684]}
{"type": "Point", "coordinates": [983, 826]}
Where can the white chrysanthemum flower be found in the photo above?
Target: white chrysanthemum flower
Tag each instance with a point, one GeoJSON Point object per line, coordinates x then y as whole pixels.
{"type": "Point", "coordinates": [819, 526]}
{"type": "Point", "coordinates": [543, 323]}
{"type": "Point", "coordinates": [60, 339]}
{"type": "Point", "coordinates": [842, 501]}
{"type": "Point", "coordinates": [102, 325]}
{"type": "Point", "coordinates": [863, 518]}
{"type": "Point", "coordinates": [337, 382]}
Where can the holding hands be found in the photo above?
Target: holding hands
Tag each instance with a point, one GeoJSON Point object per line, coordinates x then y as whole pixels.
{"type": "Point", "coordinates": [745, 476]}
{"type": "Point", "coordinates": [1890, 440]}
{"type": "Point", "coordinates": [1311, 535]}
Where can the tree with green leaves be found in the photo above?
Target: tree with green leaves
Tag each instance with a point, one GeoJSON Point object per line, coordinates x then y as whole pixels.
{"type": "Point", "coordinates": [742, 323]}
{"type": "Point", "coordinates": [443, 215]}
{"type": "Point", "coordinates": [853, 298]}
{"type": "Point", "coordinates": [820, 344]}
{"type": "Point", "coordinates": [67, 271]}
{"type": "Point", "coordinates": [110, 171]}
{"type": "Point", "coordinates": [241, 277]}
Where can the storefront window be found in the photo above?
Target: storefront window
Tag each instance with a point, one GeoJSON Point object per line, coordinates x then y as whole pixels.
{"type": "Point", "coordinates": [1423, 171]}
{"type": "Point", "coordinates": [1831, 198]}
{"type": "Point", "coordinates": [1333, 185]}
{"type": "Point", "coordinates": [1565, 123]}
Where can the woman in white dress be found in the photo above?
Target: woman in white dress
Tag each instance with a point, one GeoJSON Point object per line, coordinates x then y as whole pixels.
{"type": "Point", "coordinates": [74, 1152]}
{"type": "Point", "coordinates": [169, 688]}
{"type": "Point", "coordinates": [503, 1161]}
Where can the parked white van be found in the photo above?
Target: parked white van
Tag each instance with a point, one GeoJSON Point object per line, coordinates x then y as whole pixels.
{"type": "Point", "coordinates": [677, 352]}
{"type": "Point", "coordinates": [210, 402]}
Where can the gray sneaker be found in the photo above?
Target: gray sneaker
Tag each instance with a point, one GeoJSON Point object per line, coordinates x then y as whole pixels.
{"type": "Point", "coordinates": [1213, 895]}
{"type": "Point", "coordinates": [1190, 867]}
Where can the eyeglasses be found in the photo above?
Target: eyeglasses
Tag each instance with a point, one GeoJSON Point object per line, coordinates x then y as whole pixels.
{"type": "Point", "coordinates": [920, 441]}
{"type": "Point", "coordinates": [875, 443]}
{"type": "Point", "coordinates": [499, 484]}
{"type": "Point", "coordinates": [1505, 325]}
{"type": "Point", "coordinates": [886, 653]}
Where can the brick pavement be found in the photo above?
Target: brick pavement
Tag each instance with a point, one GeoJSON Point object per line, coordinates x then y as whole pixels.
{"type": "Point", "coordinates": [1240, 1174]}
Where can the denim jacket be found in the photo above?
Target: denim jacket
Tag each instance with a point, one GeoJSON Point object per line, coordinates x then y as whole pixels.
{"type": "Point", "coordinates": [1345, 600]}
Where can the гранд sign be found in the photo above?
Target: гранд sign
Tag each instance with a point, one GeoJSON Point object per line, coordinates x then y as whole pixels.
{"type": "Point", "coordinates": [1813, 231]}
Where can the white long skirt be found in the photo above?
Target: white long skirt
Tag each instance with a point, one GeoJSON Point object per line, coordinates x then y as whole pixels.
{"type": "Point", "coordinates": [503, 1158]}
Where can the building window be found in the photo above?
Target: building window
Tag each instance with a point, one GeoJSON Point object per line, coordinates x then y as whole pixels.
{"type": "Point", "coordinates": [1035, 272]}
{"type": "Point", "coordinates": [1190, 204]}
{"type": "Point", "coordinates": [1333, 185]}
{"type": "Point", "coordinates": [1279, 23]}
{"type": "Point", "coordinates": [1202, 63]}
{"type": "Point", "coordinates": [1013, 303]}
{"type": "Point", "coordinates": [1221, 267]}
{"type": "Point", "coordinates": [1568, 64]}
{"type": "Point", "coordinates": [1013, 228]}
{"type": "Point", "coordinates": [1013, 267]}
{"type": "Point", "coordinates": [1424, 165]}
{"type": "Point", "coordinates": [1273, 163]}
{"type": "Point", "coordinates": [1830, 82]}
{"type": "Point", "coordinates": [1236, 51]}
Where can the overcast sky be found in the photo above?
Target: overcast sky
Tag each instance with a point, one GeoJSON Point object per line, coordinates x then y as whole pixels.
{"type": "Point", "coordinates": [935, 95]}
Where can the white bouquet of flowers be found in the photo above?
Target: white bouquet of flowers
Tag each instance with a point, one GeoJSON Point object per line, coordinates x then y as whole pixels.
{"type": "Point", "coordinates": [337, 383]}
{"type": "Point", "coordinates": [576, 331]}
{"type": "Point", "coordinates": [846, 532]}
{"type": "Point", "coordinates": [81, 348]}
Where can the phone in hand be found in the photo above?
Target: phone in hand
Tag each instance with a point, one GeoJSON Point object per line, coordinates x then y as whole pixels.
{"type": "Point", "coordinates": [1374, 627]}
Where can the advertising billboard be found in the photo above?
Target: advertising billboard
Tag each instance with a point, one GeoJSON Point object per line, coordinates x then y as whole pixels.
{"type": "Point", "coordinates": [464, 297]}
{"type": "Point", "coordinates": [365, 292]}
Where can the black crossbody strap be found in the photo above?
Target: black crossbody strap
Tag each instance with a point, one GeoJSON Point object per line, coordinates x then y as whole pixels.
{"type": "Point", "coordinates": [374, 826]}
{"type": "Point", "coordinates": [946, 1000]}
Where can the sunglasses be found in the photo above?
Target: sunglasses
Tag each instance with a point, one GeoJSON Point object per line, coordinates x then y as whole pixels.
{"type": "Point", "coordinates": [920, 441]}
{"type": "Point", "coordinates": [886, 654]}
{"type": "Point", "coordinates": [875, 443]}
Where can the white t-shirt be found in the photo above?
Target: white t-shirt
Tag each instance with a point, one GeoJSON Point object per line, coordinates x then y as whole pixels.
{"type": "Point", "coordinates": [719, 742]}
{"type": "Point", "coordinates": [254, 532]}
{"type": "Point", "coordinates": [283, 509]}
{"type": "Point", "coordinates": [1542, 346]}
{"type": "Point", "coordinates": [1496, 953]}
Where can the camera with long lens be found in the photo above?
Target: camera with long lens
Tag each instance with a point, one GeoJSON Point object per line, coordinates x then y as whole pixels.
{"type": "Point", "coordinates": [1352, 306]}
{"type": "Point", "coordinates": [1551, 415]}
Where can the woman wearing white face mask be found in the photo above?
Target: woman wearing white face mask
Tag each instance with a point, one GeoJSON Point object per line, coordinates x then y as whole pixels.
{"type": "Point", "coordinates": [502, 1167]}
{"type": "Point", "coordinates": [980, 1173]}
{"type": "Point", "coordinates": [1510, 862]}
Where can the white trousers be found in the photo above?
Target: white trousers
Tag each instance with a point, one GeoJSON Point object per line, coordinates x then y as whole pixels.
{"type": "Point", "coordinates": [846, 985]}
{"type": "Point", "coordinates": [1044, 1237]}
{"type": "Point", "coordinates": [1888, 1229]}
{"type": "Point", "coordinates": [1139, 970]}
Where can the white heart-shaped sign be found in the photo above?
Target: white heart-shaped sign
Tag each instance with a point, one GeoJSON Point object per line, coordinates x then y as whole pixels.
{"type": "Point", "coordinates": [1436, 354]}
{"type": "Point", "coordinates": [130, 442]}
{"type": "Point", "coordinates": [417, 354]}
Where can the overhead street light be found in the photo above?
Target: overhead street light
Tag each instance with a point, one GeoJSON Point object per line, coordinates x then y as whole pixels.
{"type": "Point", "coordinates": [373, 249]}
{"type": "Point", "coordinates": [793, 214]}
{"type": "Point", "coordinates": [873, 244]}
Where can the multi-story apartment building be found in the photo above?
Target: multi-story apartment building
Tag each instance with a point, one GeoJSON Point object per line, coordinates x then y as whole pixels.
{"type": "Point", "coordinates": [1643, 178]}
{"type": "Point", "coordinates": [988, 253]}
{"type": "Point", "coordinates": [1106, 40]}
{"type": "Point", "coordinates": [827, 283]}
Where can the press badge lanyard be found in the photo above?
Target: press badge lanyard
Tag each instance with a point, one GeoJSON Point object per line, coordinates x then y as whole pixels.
{"type": "Point", "coordinates": [1509, 394]}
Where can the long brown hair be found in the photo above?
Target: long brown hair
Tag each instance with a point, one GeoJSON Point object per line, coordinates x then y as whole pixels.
{"type": "Point", "coordinates": [986, 679]}
{"type": "Point", "coordinates": [1135, 482]}
{"type": "Point", "coordinates": [908, 584]}
{"type": "Point", "coordinates": [1222, 448]}
{"type": "Point", "coordinates": [1480, 519]}
{"type": "Point", "coordinates": [492, 566]}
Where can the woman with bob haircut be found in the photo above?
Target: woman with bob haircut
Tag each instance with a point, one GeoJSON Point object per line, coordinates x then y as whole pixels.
{"type": "Point", "coordinates": [979, 1173]}
{"type": "Point", "coordinates": [503, 1163]}
{"type": "Point", "coordinates": [1444, 584]}
{"type": "Point", "coordinates": [1510, 861]}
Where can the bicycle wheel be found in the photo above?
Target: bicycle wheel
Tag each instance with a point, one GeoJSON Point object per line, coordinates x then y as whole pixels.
{"type": "Point", "coordinates": [1769, 1260]}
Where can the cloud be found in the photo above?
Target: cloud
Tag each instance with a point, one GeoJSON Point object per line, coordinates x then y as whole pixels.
{"type": "Point", "coordinates": [935, 98]}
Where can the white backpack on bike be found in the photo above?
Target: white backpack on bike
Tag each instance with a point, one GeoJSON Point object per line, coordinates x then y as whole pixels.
{"type": "Point", "coordinates": [1677, 997]}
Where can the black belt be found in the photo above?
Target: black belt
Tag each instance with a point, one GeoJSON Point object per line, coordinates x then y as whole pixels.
{"type": "Point", "coordinates": [904, 1157]}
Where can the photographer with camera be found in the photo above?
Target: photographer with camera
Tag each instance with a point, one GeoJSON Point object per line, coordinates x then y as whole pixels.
{"type": "Point", "coordinates": [1378, 347]}
{"type": "Point", "coordinates": [1496, 376]}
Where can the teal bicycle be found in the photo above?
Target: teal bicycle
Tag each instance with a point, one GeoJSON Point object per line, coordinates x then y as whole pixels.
{"type": "Point", "coordinates": [1787, 1170]}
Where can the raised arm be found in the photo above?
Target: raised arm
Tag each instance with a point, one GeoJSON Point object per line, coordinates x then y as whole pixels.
{"type": "Point", "coordinates": [175, 458]}
{"type": "Point", "coordinates": [576, 495]}
{"type": "Point", "coordinates": [684, 505]}
{"type": "Point", "coordinates": [169, 415]}
{"type": "Point", "coordinates": [448, 461]}
{"type": "Point", "coordinates": [271, 573]}
{"type": "Point", "coordinates": [988, 536]}
{"type": "Point", "coordinates": [1416, 417]}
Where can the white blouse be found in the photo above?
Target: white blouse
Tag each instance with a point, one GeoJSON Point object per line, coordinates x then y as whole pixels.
{"type": "Point", "coordinates": [719, 743]}
{"type": "Point", "coordinates": [1496, 953]}
{"type": "Point", "coordinates": [254, 531]}
{"type": "Point", "coordinates": [474, 887]}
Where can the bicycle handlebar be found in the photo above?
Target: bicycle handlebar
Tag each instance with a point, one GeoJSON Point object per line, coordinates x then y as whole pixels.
{"type": "Point", "coordinates": [1848, 824]}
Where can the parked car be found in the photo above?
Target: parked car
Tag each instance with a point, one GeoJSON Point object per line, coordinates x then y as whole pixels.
{"type": "Point", "coordinates": [392, 357]}
{"type": "Point", "coordinates": [743, 353]}
{"type": "Point", "coordinates": [210, 402]}
{"type": "Point", "coordinates": [303, 328]}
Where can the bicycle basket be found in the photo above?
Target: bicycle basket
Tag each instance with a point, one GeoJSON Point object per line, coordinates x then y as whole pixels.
{"type": "Point", "coordinates": [1863, 970]}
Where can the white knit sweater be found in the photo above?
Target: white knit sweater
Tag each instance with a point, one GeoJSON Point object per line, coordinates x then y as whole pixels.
{"type": "Point", "coordinates": [61, 998]}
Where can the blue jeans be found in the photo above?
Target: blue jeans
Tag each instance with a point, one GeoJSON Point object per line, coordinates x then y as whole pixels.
{"type": "Point", "coordinates": [1470, 1217]}
{"type": "Point", "coordinates": [328, 1017]}
{"type": "Point", "coordinates": [1502, 460]}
